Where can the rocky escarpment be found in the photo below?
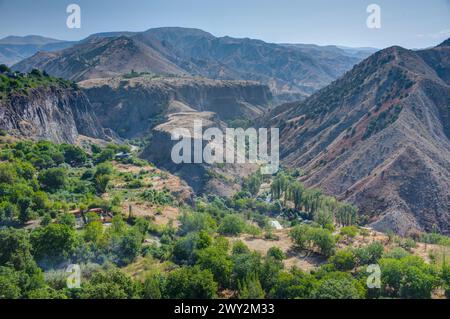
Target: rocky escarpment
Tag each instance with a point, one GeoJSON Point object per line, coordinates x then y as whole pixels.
{"type": "Point", "coordinates": [152, 107]}
{"type": "Point", "coordinates": [379, 137]}
{"type": "Point", "coordinates": [51, 113]}
{"type": "Point", "coordinates": [202, 177]}
{"type": "Point", "coordinates": [133, 106]}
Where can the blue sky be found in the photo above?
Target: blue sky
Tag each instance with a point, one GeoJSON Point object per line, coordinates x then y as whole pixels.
{"type": "Point", "coordinates": [409, 23]}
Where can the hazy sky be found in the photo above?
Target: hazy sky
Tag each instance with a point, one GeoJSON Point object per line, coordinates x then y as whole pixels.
{"type": "Point", "coordinates": [409, 23]}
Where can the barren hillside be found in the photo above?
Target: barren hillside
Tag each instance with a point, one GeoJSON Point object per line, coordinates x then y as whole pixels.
{"type": "Point", "coordinates": [379, 137]}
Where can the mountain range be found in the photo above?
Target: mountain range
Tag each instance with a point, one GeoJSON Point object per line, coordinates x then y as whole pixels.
{"type": "Point", "coordinates": [291, 71]}
{"type": "Point", "coordinates": [14, 49]}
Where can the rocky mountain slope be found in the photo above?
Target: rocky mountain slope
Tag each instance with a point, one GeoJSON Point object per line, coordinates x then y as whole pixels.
{"type": "Point", "coordinates": [132, 106]}
{"type": "Point", "coordinates": [14, 49]}
{"type": "Point", "coordinates": [380, 138]}
{"type": "Point", "coordinates": [152, 107]}
{"type": "Point", "coordinates": [100, 57]}
{"type": "Point", "coordinates": [45, 108]}
{"type": "Point", "coordinates": [292, 72]}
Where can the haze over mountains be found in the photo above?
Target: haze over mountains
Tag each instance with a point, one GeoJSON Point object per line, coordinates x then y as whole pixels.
{"type": "Point", "coordinates": [14, 49]}
{"type": "Point", "coordinates": [291, 71]}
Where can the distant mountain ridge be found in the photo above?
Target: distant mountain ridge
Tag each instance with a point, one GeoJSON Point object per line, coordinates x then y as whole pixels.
{"type": "Point", "coordinates": [15, 48]}
{"type": "Point", "coordinates": [291, 71]}
{"type": "Point", "coordinates": [380, 138]}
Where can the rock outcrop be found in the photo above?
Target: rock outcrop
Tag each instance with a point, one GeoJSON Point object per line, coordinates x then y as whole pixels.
{"type": "Point", "coordinates": [152, 107]}
{"type": "Point", "coordinates": [50, 113]}
{"type": "Point", "coordinates": [132, 107]}
{"type": "Point", "coordinates": [202, 177]}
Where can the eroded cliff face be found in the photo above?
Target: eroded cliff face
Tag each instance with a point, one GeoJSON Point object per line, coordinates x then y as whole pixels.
{"type": "Point", "coordinates": [202, 177]}
{"type": "Point", "coordinates": [152, 107]}
{"type": "Point", "coordinates": [132, 107]}
{"type": "Point", "coordinates": [50, 113]}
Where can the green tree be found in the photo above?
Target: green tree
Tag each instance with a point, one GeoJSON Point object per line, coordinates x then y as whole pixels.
{"type": "Point", "coordinates": [324, 240]}
{"type": "Point", "coordinates": [9, 285]}
{"type": "Point", "coordinates": [296, 284]}
{"type": "Point", "coordinates": [370, 254]}
{"type": "Point", "coordinates": [446, 279]}
{"type": "Point", "coordinates": [152, 286]}
{"type": "Point", "coordinates": [8, 211]}
{"type": "Point", "coordinates": [216, 260]}
{"type": "Point", "coordinates": [185, 249]}
{"type": "Point", "coordinates": [53, 243]}
{"type": "Point", "coordinates": [239, 248]}
{"type": "Point", "coordinates": [103, 169]}
{"type": "Point", "coordinates": [195, 222]}
{"type": "Point", "coordinates": [93, 232]}
{"type": "Point", "coordinates": [417, 283]}
{"type": "Point", "coordinates": [296, 190]}
{"type": "Point", "coordinates": [105, 155]}
{"type": "Point", "coordinates": [67, 219]}
{"type": "Point", "coordinates": [4, 68]}
{"type": "Point", "coordinates": [128, 246]}
{"type": "Point", "coordinates": [251, 289]}
{"type": "Point", "coordinates": [231, 225]}
{"type": "Point", "coordinates": [101, 183]}
{"type": "Point", "coordinates": [109, 285]}
{"type": "Point", "coordinates": [46, 293]}
{"type": "Point", "coordinates": [279, 186]}
{"type": "Point", "coordinates": [323, 217]}
{"type": "Point", "coordinates": [300, 236]}
{"type": "Point", "coordinates": [246, 265]}
{"type": "Point", "coordinates": [8, 174]}
{"type": "Point", "coordinates": [25, 215]}
{"type": "Point", "coordinates": [74, 155]}
{"type": "Point", "coordinates": [344, 260]}
{"type": "Point", "coordinates": [17, 266]}
{"type": "Point", "coordinates": [339, 286]}
{"type": "Point", "coordinates": [15, 248]}
{"type": "Point", "coordinates": [190, 283]}
{"type": "Point", "coordinates": [347, 214]}
{"type": "Point", "coordinates": [270, 270]}
{"type": "Point", "coordinates": [276, 253]}
{"type": "Point", "coordinates": [46, 220]}
{"type": "Point", "coordinates": [253, 183]}
{"type": "Point", "coordinates": [349, 231]}
{"type": "Point", "coordinates": [392, 275]}
{"type": "Point", "coordinates": [142, 225]}
{"type": "Point", "coordinates": [53, 179]}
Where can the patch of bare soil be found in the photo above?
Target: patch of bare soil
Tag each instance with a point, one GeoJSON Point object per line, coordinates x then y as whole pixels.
{"type": "Point", "coordinates": [361, 241]}
{"type": "Point", "coordinates": [160, 215]}
{"type": "Point", "coordinates": [85, 142]}
{"type": "Point", "coordinates": [284, 242]}
{"type": "Point", "coordinates": [159, 180]}
{"type": "Point", "coordinates": [429, 251]}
